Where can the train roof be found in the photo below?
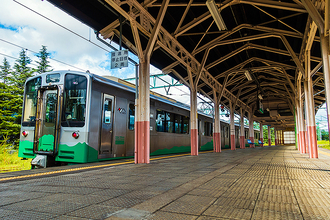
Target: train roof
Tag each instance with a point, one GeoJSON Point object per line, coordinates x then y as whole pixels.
{"type": "Point", "coordinates": [124, 85]}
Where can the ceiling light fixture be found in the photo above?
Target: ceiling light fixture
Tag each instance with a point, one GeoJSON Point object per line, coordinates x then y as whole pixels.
{"type": "Point", "coordinates": [216, 14]}
{"type": "Point", "coordinates": [247, 74]}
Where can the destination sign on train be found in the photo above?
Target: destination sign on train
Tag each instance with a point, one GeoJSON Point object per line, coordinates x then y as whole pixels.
{"type": "Point", "coordinates": [119, 59]}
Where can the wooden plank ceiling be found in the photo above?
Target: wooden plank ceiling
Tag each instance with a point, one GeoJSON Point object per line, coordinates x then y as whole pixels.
{"type": "Point", "coordinates": [264, 37]}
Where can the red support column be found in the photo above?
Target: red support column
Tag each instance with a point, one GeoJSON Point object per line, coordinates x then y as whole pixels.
{"type": "Point", "coordinates": [269, 137]}
{"type": "Point", "coordinates": [261, 135]}
{"type": "Point", "coordinates": [242, 133]}
{"type": "Point", "coordinates": [311, 126]}
{"type": "Point", "coordinates": [297, 124]}
{"type": "Point", "coordinates": [193, 122]}
{"type": "Point", "coordinates": [276, 140]}
{"type": "Point", "coordinates": [216, 130]}
{"type": "Point", "coordinates": [251, 130]}
{"type": "Point", "coordinates": [306, 139]}
{"type": "Point", "coordinates": [142, 123]}
{"type": "Point", "coordinates": [302, 127]}
{"type": "Point", "coordinates": [279, 138]}
{"type": "Point", "coordinates": [326, 71]}
{"type": "Point", "coordinates": [232, 127]}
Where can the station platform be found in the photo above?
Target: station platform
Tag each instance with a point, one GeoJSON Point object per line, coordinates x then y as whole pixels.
{"type": "Point", "coordinates": [255, 183]}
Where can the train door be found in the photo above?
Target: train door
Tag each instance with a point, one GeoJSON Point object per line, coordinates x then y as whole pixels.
{"type": "Point", "coordinates": [47, 122]}
{"type": "Point", "coordinates": [106, 126]}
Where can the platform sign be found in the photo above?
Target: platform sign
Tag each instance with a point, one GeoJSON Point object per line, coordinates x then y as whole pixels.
{"type": "Point", "coordinates": [119, 59]}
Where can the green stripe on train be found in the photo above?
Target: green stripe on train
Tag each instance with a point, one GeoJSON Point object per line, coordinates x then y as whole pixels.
{"type": "Point", "coordinates": [79, 153]}
{"type": "Point", "coordinates": [25, 149]}
{"type": "Point", "coordinates": [181, 149]}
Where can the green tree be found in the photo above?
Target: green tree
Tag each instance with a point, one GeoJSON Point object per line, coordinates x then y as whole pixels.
{"type": "Point", "coordinates": [5, 71]}
{"type": "Point", "coordinates": [10, 113]}
{"type": "Point", "coordinates": [43, 63]}
{"type": "Point", "coordinates": [325, 135]}
{"type": "Point", "coordinates": [21, 70]}
{"type": "Point", "coordinates": [265, 132]}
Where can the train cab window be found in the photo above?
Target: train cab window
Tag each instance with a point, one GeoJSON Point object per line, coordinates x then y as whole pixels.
{"type": "Point", "coordinates": [53, 78]}
{"type": "Point", "coordinates": [131, 116]}
{"type": "Point", "coordinates": [74, 109]}
{"type": "Point", "coordinates": [30, 105]}
{"type": "Point", "coordinates": [208, 129]}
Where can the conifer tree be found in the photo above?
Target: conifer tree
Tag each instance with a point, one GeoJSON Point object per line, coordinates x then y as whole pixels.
{"type": "Point", "coordinates": [43, 63]}
{"type": "Point", "coordinates": [10, 113]}
{"type": "Point", "coordinates": [21, 70]}
{"type": "Point", "coordinates": [5, 71]}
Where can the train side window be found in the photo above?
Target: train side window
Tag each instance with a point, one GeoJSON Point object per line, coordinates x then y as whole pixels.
{"type": "Point", "coordinates": [131, 117]}
{"type": "Point", "coordinates": [227, 132]}
{"type": "Point", "coordinates": [208, 129]}
{"type": "Point", "coordinates": [185, 125]}
{"type": "Point", "coordinates": [160, 121]}
{"type": "Point", "coordinates": [246, 134]}
{"type": "Point", "coordinates": [107, 111]}
{"type": "Point", "coordinates": [169, 122]}
{"type": "Point", "coordinates": [178, 124]}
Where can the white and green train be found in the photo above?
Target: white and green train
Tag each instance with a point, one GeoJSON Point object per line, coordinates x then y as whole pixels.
{"type": "Point", "coordinates": [77, 117]}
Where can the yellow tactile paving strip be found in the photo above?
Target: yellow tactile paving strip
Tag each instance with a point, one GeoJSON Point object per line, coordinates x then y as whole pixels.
{"type": "Point", "coordinates": [260, 183]}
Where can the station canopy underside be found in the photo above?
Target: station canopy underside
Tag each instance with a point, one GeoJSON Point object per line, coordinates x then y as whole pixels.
{"type": "Point", "coordinates": [265, 39]}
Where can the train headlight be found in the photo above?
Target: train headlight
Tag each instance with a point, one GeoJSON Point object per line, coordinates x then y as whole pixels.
{"type": "Point", "coordinates": [75, 134]}
{"type": "Point", "coordinates": [25, 133]}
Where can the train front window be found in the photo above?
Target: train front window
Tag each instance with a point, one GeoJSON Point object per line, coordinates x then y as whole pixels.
{"type": "Point", "coordinates": [53, 78]}
{"type": "Point", "coordinates": [30, 102]}
{"type": "Point", "coordinates": [74, 107]}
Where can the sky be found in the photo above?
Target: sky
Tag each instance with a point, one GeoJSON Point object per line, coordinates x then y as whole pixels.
{"type": "Point", "coordinates": [20, 27]}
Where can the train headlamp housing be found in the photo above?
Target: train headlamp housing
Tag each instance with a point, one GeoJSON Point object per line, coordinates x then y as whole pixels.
{"type": "Point", "coordinates": [75, 135]}
{"type": "Point", "coordinates": [25, 133]}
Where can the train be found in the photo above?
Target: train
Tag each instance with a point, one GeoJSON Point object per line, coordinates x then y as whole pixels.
{"type": "Point", "coordinates": [72, 117]}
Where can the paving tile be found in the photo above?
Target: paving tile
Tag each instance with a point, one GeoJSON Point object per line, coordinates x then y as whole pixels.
{"type": "Point", "coordinates": [259, 214]}
{"type": "Point", "coordinates": [231, 213]}
{"type": "Point", "coordinates": [94, 212]}
{"type": "Point", "coordinates": [259, 183]}
{"type": "Point", "coordinates": [29, 215]}
{"type": "Point", "coordinates": [235, 203]}
{"type": "Point", "coordinates": [161, 215]}
{"type": "Point", "coordinates": [207, 192]}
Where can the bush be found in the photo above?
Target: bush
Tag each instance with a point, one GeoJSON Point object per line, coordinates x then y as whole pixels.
{"type": "Point", "coordinates": [9, 160]}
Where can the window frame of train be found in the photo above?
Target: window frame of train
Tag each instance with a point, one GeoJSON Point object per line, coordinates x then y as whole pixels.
{"type": "Point", "coordinates": [78, 82]}
{"type": "Point", "coordinates": [208, 128]}
{"type": "Point", "coordinates": [131, 116]}
{"type": "Point", "coordinates": [246, 134]}
{"type": "Point", "coordinates": [31, 93]}
{"type": "Point", "coordinates": [171, 122]}
{"type": "Point", "coordinates": [226, 131]}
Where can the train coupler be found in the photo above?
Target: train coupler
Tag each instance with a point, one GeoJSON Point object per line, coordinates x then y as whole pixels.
{"type": "Point", "coordinates": [40, 161]}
